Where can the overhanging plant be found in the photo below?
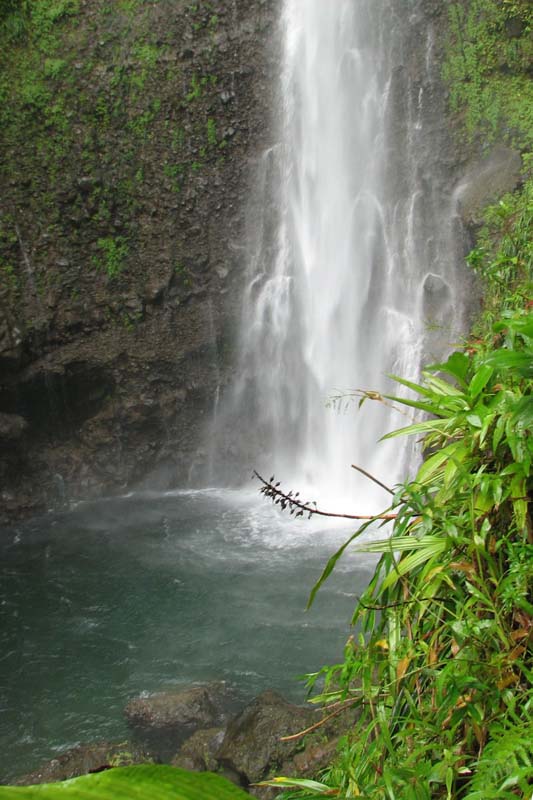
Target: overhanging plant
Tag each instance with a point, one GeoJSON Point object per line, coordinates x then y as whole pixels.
{"type": "Point", "coordinates": [442, 665]}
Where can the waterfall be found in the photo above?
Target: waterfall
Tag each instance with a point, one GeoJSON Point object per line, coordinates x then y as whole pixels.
{"type": "Point", "coordinates": [354, 267]}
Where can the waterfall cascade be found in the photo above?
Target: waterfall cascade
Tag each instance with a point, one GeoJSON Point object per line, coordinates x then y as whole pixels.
{"type": "Point", "coordinates": [354, 270]}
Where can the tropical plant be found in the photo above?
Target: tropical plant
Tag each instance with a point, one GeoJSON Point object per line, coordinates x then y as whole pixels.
{"type": "Point", "coordinates": [441, 668]}
{"type": "Point", "coordinates": [132, 783]}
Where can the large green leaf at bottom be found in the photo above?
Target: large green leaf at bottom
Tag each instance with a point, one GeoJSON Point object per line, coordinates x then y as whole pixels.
{"type": "Point", "coordinates": [146, 782]}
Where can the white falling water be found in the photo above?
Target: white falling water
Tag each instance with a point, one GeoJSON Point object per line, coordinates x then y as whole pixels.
{"type": "Point", "coordinates": [348, 280]}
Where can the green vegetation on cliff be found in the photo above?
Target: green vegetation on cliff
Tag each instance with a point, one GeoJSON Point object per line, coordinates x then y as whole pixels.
{"type": "Point", "coordinates": [127, 128]}
{"type": "Point", "coordinates": [102, 128]}
{"type": "Point", "coordinates": [488, 69]}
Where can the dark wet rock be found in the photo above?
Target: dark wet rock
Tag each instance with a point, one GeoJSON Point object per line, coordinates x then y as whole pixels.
{"type": "Point", "coordinates": [12, 427]}
{"type": "Point", "coordinates": [306, 764]}
{"type": "Point", "coordinates": [252, 746]}
{"type": "Point", "coordinates": [83, 759]}
{"type": "Point", "coordinates": [180, 229]}
{"type": "Point", "coordinates": [486, 180]}
{"type": "Point", "coordinates": [198, 753]}
{"type": "Point", "coordinates": [437, 298]}
{"type": "Point", "coordinates": [226, 97]}
{"type": "Point", "coordinates": [11, 341]}
{"type": "Point", "coordinates": [163, 721]}
{"type": "Point", "coordinates": [169, 710]}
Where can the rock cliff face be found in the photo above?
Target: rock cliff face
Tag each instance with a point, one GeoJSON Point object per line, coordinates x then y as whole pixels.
{"type": "Point", "coordinates": [129, 133]}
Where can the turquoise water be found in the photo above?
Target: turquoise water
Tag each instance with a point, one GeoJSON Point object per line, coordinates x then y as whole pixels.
{"type": "Point", "coordinates": [151, 592]}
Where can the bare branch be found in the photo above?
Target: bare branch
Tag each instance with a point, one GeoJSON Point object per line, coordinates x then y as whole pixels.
{"type": "Point", "coordinates": [321, 722]}
{"type": "Point", "coordinates": [292, 501]}
{"type": "Point", "coordinates": [372, 478]}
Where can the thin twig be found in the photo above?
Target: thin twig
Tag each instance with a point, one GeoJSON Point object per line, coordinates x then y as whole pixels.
{"type": "Point", "coordinates": [321, 722]}
{"type": "Point", "coordinates": [372, 478]}
{"type": "Point", "coordinates": [279, 496]}
{"type": "Point", "coordinates": [400, 603]}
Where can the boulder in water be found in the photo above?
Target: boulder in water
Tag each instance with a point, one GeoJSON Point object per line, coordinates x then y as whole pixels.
{"type": "Point", "coordinates": [252, 746]}
{"type": "Point", "coordinates": [164, 720]}
{"type": "Point", "coordinates": [198, 753]}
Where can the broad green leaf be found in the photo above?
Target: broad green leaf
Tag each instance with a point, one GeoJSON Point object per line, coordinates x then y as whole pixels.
{"type": "Point", "coordinates": [499, 430]}
{"type": "Point", "coordinates": [146, 782]}
{"type": "Point", "coordinates": [443, 387]}
{"type": "Point", "coordinates": [487, 423]}
{"type": "Point", "coordinates": [422, 405]}
{"type": "Point", "coordinates": [414, 560]}
{"type": "Point", "coordinates": [510, 359]}
{"type": "Point", "coordinates": [397, 544]}
{"type": "Point", "coordinates": [457, 366]}
{"type": "Point", "coordinates": [522, 325]}
{"type": "Point", "coordinates": [432, 464]}
{"type": "Point", "coordinates": [330, 566]}
{"type": "Point", "coordinates": [519, 499]}
{"type": "Point", "coordinates": [416, 387]}
{"type": "Point", "coordinates": [480, 380]}
{"type": "Point", "coordinates": [419, 427]}
{"type": "Point", "coordinates": [523, 412]}
{"type": "Point", "coordinates": [301, 783]}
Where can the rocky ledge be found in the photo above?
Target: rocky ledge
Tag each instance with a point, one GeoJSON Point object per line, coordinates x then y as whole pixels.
{"type": "Point", "coordinates": [197, 729]}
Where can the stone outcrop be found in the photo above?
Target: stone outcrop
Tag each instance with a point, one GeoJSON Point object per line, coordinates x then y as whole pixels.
{"type": "Point", "coordinates": [161, 722]}
{"type": "Point", "coordinates": [122, 224]}
{"type": "Point", "coordinates": [83, 759]}
{"type": "Point", "coordinates": [252, 743]}
{"type": "Point", "coordinates": [486, 180]}
{"type": "Point", "coordinates": [246, 747]}
{"type": "Point", "coordinates": [199, 752]}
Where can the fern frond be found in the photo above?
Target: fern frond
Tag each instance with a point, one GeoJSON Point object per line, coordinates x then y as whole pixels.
{"type": "Point", "coordinates": [505, 764]}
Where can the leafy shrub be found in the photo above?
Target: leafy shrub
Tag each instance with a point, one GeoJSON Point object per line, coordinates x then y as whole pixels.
{"type": "Point", "coordinates": [442, 667]}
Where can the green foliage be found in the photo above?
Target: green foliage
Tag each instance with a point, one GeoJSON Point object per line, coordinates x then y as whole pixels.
{"type": "Point", "coordinates": [21, 18]}
{"type": "Point", "coordinates": [198, 85]}
{"type": "Point", "coordinates": [8, 277]}
{"type": "Point", "coordinates": [147, 54]}
{"type": "Point", "coordinates": [487, 67]}
{"type": "Point", "coordinates": [211, 132]}
{"type": "Point", "coordinates": [442, 667]}
{"type": "Point", "coordinates": [140, 124]}
{"type": "Point", "coordinates": [114, 252]}
{"type": "Point", "coordinates": [183, 275]}
{"type": "Point", "coordinates": [509, 751]}
{"type": "Point", "coordinates": [134, 783]}
{"type": "Point", "coordinates": [13, 19]}
{"type": "Point", "coordinates": [503, 256]}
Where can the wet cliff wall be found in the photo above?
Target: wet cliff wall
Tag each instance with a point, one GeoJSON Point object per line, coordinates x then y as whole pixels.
{"type": "Point", "coordinates": [129, 131]}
